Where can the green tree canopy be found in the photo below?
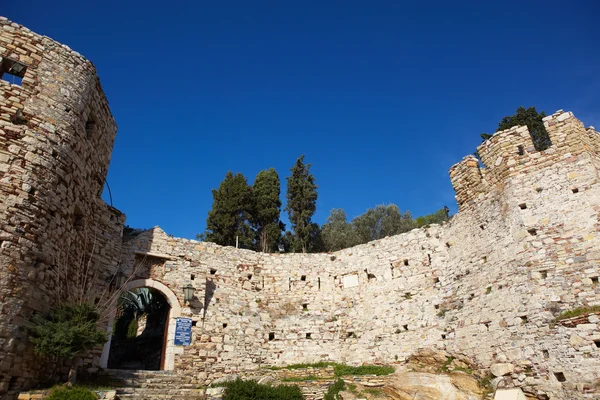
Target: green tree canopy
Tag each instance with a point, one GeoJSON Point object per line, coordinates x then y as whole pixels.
{"type": "Point", "coordinates": [437, 217]}
{"type": "Point", "coordinates": [533, 120]}
{"type": "Point", "coordinates": [228, 219]}
{"type": "Point", "coordinates": [267, 205]}
{"type": "Point", "coordinates": [381, 221]}
{"type": "Point", "coordinates": [301, 204]}
{"type": "Point", "coordinates": [337, 232]}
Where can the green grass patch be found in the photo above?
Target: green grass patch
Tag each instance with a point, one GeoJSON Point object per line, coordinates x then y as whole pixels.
{"type": "Point", "coordinates": [334, 390]}
{"type": "Point", "coordinates": [302, 378]}
{"type": "Point", "coordinates": [71, 393]}
{"type": "Point", "coordinates": [322, 364]}
{"type": "Point", "coordinates": [373, 392]}
{"type": "Point", "coordinates": [577, 312]}
{"type": "Point", "coordinates": [251, 390]}
{"type": "Point", "coordinates": [344, 370]}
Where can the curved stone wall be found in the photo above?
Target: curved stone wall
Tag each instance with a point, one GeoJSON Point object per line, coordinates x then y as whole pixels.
{"type": "Point", "coordinates": [487, 284]}
{"type": "Point", "coordinates": [523, 247]}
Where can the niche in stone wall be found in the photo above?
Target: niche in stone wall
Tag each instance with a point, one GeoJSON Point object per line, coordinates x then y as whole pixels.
{"type": "Point", "coordinates": [212, 271]}
{"type": "Point", "coordinates": [78, 219]}
{"type": "Point", "coordinates": [560, 376]}
{"type": "Point", "coordinates": [303, 278]}
{"type": "Point", "coordinates": [272, 336]}
{"type": "Point", "coordinates": [546, 353]}
{"type": "Point", "coordinates": [90, 125]}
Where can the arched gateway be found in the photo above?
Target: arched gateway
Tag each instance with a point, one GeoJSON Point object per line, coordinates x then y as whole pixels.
{"type": "Point", "coordinates": [169, 348]}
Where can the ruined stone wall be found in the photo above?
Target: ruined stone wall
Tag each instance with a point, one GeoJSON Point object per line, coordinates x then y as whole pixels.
{"type": "Point", "coordinates": [523, 248]}
{"type": "Point", "coordinates": [488, 284]}
{"type": "Point", "coordinates": [56, 138]}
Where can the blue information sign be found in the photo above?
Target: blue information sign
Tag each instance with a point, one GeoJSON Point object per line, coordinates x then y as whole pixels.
{"type": "Point", "coordinates": [183, 332]}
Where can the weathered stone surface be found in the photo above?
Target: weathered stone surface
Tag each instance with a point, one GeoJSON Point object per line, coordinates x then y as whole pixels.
{"type": "Point", "coordinates": [485, 285]}
{"type": "Point", "coordinates": [509, 394]}
{"type": "Point", "coordinates": [501, 369]}
{"type": "Point", "coordinates": [424, 386]}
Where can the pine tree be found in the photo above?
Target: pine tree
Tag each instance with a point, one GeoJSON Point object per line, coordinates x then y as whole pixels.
{"type": "Point", "coordinates": [525, 117]}
{"type": "Point", "coordinates": [267, 205]}
{"type": "Point", "coordinates": [228, 219]}
{"type": "Point", "coordinates": [301, 204]}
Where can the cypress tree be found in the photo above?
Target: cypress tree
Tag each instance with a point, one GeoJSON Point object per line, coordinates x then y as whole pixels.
{"type": "Point", "coordinates": [301, 203]}
{"type": "Point", "coordinates": [228, 219]}
{"type": "Point", "coordinates": [267, 205]}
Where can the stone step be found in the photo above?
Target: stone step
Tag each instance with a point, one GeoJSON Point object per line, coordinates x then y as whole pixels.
{"type": "Point", "coordinates": [150, 379]}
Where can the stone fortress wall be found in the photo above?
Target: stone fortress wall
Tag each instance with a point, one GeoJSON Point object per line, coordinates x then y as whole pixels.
{"type": "Point", "coordinates": [56, 138]}
{"type": "Point", "coordinates": [523, 247]}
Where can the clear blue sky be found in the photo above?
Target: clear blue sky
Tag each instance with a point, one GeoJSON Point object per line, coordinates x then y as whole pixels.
{"type": "Point", "coordinates": [381, 96]}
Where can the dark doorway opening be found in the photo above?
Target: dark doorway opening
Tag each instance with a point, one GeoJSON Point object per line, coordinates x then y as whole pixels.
{"type": "Point", "coordinates": [139, 330]}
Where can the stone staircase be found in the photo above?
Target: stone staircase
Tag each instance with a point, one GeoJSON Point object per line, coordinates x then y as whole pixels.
{"type": "Point", "coordinates": [148, 385]}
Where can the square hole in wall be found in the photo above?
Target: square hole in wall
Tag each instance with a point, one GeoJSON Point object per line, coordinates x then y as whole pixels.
{"type": "Point", "coordinates": [305, 306]}
{"type": "Point", "coordinates": [224, 325]}
{"type": "Point", "coordinates": [482, 227]}
{"type": "Point", "coordinates": [12, 71]}
{"type": "Point", "coordinates": [194, 323]}
{"type": "Point", "coordinates": [594, 280]}
{"type": "Point", "coordinates": [350, 335]}
{"type": "Point", "coordinates": [308, 335]}
{"type": "Point", "coordinates": [272, 336]}
{"type": "Point", "coordinates": [520, 150]}
{"type": "Point", "coordinates": [249, 276]}
{"type": "Point", "coordinates": [406, 263]}
{"type": "Point", "coordinates": [303, 278]}
{"type": "Point", "coordinates": [560, 376]}
{"type": "Point", "coordinates": [192, 277]}
{"type": "Point", "coordinates": [532, 231]}
{"type": "Point", "coordinates": [544, 274]}
{"type": "Point", "coordinates": [483, 259]}
{"type": "Point", "coordinates": [443, 336]}
{"type": "Point", "coordinates": [546, 353]}
{"type": "Point", "coordinates": [522, 206]}
{"type": "Point", "coordinates": [436, 306]}
{"type": "Point", "coordinates": [575, 190]}
{"type": "Point", "coordinates": [213, 271]}
{"type": "Point", "coordinates": [524, 319]}
{"type": "Point", "coordinates": [448, 244]}
{"type": "Point", "coordinates": [597, 343]}
{"type": "Point", "coordinates": [405, 327]}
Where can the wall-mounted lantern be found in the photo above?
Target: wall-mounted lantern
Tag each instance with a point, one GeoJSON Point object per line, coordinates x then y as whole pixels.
{"type": "Point", "coordinates": [188, 293]}
{"type": "Point", "coordinates": [117, 281]}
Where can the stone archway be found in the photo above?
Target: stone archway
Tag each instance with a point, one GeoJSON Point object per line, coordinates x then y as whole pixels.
{"type": "Point", "coordinates": [168, 359]}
